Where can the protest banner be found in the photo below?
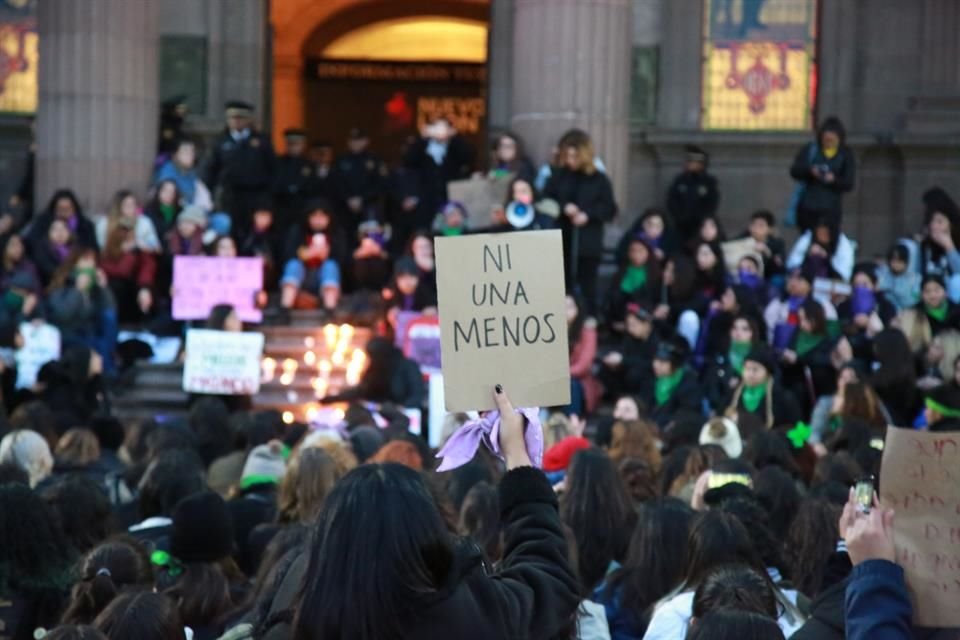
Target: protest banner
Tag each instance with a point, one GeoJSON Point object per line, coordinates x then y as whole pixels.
{"type": "Point", "coordinates": [222, 362]}
{"type": "Point", "coordinates": [421, 343]}
{"type": "Point", "coordinates": [502, 319]}
{"type": "Point", "coordinates": [920, 480]}
{"type": "Point", "coordinates": [41, 344]}
{"type": "Point", "coordinates": [200, 283]}
{"type": "Point", "coordinates": [480, 196]}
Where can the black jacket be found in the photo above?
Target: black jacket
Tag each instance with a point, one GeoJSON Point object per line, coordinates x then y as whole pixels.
{"type": "Point", "coordinates": [293, 183]}
{"type": "Point", "coordinates": [826, 616]}
{"type": "Point", "coordinates": [432, 179]}
{"type": "Point", "coordinates": [534, 594]}
{"type": "Point", "coordinates": [822, 198]}
{"type": "Point", "coordinates": [247, 165]}
{"type": "Point", "coordinates": [593, 194]}
{"type": "Point", "coordinates": [688, 396]}
{"type": "Point", "coordinates": [783, 406]}
{"type": "Point", "coordinates": [691, 198]}
{"type": "Point", "coordinates": [254, 506]}
{"type": "Point", "coordinates": [635, 373]}
{"type": "Point", "coordinates": [360, 175]}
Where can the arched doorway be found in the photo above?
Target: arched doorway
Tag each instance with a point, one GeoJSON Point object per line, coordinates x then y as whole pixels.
{"type": "Point", "coordinates": [379, 65]}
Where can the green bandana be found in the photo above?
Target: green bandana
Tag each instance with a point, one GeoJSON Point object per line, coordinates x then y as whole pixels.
{"type": "Point", "coordinates": [666, 385]}
{"type": "Point", "coordinates": [806, 342]}
{"type": "Point", "coordinates": [799, 434]}
{"type": "Point", "coordinates": [253, 480]}
{"type": "Point", "coordinates": [449, 232]}
{"type": "Point", "coordinates": [753, 396]}
{"type": "Point", "coordinates": [169, 212]}
{"type": "Point", "coordinates": [946, 412]}
{"type": "Point", "coordinates": [634, 278]}
{"type": "Point", "coordinates": [163, 559]}
{"type": "Point", "coordinates": [937, 313]}
{"type": "Point", "coordinates": [13, 300]}
{"type": "Point", "coordinates": [737, 355]}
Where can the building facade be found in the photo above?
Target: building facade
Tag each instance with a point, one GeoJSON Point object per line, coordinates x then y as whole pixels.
{"type": "Point", "coordinates": [744, 79]}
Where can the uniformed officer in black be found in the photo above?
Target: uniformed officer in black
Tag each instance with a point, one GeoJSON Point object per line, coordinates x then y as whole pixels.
{"type": "Point", "coordinates": [360, 179]}
{"type": "Point", "coordinates": [294, 179]}
{"type": "Point", "coordinates": [241, 167]}
{"type": "Point", "coordinates": [322, 158]}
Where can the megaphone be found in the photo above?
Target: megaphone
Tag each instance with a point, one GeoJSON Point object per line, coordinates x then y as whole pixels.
{"type": "Point", "coordinates": [520, 215]}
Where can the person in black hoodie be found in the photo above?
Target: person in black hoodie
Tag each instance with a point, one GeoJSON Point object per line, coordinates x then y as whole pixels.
{"type": "Point", "coordinates": [628, 369]}
{"type": "Point", "coordinates": [586, 201]}
{"type": "Point", "coordinates": [827, 169]}
{"type": "Point", "coordinates": [428, 585]}
{"type": "Point", "coordinates": [759, 399]}
{"type": "Point", "coordinates": [390, 377]}
{"type": "Point", "coordinates": [675, 388]}
{"type": "Point", "coordinates": [693, 196]}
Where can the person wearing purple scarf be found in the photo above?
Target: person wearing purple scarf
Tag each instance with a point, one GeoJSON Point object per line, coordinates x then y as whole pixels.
{"type": "Point", "coordinates": [865, 313]}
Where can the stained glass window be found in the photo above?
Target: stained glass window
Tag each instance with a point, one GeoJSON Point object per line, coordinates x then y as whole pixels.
{"type": "Point", "coordinates": [759, 64]}
{"type": "Point", "coordinates": [18, 56]}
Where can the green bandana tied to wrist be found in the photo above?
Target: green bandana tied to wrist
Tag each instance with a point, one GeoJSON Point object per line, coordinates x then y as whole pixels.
{"type": "Point", "coordinates": [665, 386]}
{"type": "Point", "coordinates": [806, 342]}
{"type": "Point", "coordinates": [738, 354]}
{"type": "Point", "coordinates": [946, 412]}
{"type": "Point", "coordinates": [163, 559]}
{"type": "Point", "coordinates": [937, 313]}
{"type": "Point", "coordinates": [633, 278]}
{"type": "Point", "coordinates": [753, 396]}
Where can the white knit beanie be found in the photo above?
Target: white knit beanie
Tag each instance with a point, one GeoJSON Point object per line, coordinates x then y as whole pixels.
{"type": "Point", "coordinates": [29, 451]}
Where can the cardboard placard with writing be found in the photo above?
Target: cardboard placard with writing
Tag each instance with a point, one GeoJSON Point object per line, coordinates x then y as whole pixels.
{"type": "Point", "coordinates": [502, 320]}
{"type": "Point", "coordinates": [920, 480]}
{"type": "Point", "coordinates": [201, 282]}
{"type": "Point", "coordinates": [480, 196]}
{"type": "Point", "coordinates": [222, 362]}
{"type": "Point", "coordinates": [41, 344]}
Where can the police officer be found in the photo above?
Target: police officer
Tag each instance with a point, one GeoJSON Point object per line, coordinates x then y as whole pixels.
{"type": "Point", "coordinates": [360, 178]}
{"type": "Point", "coordinates": [241, 166]}
{"type": "Point", "coordinates": [322, 157]}
{"type": "Point", "coordinates": [294, 179]}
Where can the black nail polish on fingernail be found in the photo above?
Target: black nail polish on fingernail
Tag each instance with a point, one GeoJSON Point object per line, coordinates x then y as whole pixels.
{"type": "Point", "coordinates": [498, 389]}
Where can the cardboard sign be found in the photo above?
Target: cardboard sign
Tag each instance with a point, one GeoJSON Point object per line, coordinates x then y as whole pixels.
{"type": "Point", "coordinates": [480, 196]}
{"type": "Point", "coordinates": [502, 319]}
{"type": "Point", "coordinates": [222, 362]}
{"type": "Point", "coordinates": [920, 480]}
{"type": "Point", "coordinates": [41, 344]}
{"type": "Point", "coordinates": [200, 283]}
{"type": "Point", "coordinates": [735, 250]}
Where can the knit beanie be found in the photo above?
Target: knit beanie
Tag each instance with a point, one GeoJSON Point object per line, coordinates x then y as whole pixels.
{"type": "Point", "coordinates": [29, 451]}
{"type": "Point", "coordinates": [202, 529]}
{"type": "Point", "coordinates": [365, 441]}
{"type": "Point", "coordinates": [265, 464]}
{"type": "Point", "coordinates": [558, 457]}
{"type": "Point", "coordinates": [724, 433]}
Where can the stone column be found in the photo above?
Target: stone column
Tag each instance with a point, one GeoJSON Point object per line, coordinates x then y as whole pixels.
{"type": "Point", "coordinates": [572, 69]}
{"type": "Point", "coordinates": [97, 117]}
{"type": "Point", "coordinates": [500, 63]}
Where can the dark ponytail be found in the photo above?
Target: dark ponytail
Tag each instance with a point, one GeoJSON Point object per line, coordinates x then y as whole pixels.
{"type": "Point", "coordinates": [90, 596]}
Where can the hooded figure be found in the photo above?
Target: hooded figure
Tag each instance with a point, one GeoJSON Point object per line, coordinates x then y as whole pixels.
{"type": "Point", "coordinates": [826, 168]}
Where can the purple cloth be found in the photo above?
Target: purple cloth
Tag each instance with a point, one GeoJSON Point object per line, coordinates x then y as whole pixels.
{"type": "Point", "coordinates": [863, 300]}
{"type": "Point", "coordinates": [782, 335]}
{"type": "Point", "coordinates": [462, 445]}
{"type": "Point", "coordinates": [750, 280]}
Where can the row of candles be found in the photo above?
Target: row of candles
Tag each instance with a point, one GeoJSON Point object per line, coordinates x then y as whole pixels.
{"type": "Point", "coordinates": [338, 342]}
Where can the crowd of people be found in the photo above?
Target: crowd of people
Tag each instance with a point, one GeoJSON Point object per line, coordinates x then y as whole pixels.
{"type": "Point", "coordinates": [727, 393]}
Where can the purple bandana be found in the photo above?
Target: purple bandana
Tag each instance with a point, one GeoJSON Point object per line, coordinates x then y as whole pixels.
{"type": "Point", "coordinates": [463, 445]}
{"type": "Point", "coordinates": [862, 301]}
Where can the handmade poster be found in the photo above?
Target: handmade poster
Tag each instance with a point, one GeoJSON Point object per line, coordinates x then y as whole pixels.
{"type": "Point", "coordinates": [735, 250]}
{"type": "Point", "coordinates": [200, 283]}
{"type": "Point", "coordinates": [41, 344]}
{"type": "Point", "coordinates": [502, 320]}
{"type": "Point", "coordinates": [222, 362]}
{"type": "Point", "coordinates": [480, 196]}
{"type": "Point", "coordinates": [920, 480]}
{"type": "Point", "coordinates": [421, 343]}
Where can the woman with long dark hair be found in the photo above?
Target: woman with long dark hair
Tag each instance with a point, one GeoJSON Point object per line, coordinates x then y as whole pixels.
{"type": "Point", "coordinates": [938, 253]}
{"type": "Point", "coordinates": [597, 508]}
{"type": "Point", "coordinates": [724, 367]}
{"type": "Point", "coordinates": [35, 561]}
{"type": "Point", "coordinates": [894, 376]}
{"type": "Point", "coordinates": [119, 566]}
{"type": "Point", "coordinates": [164, 207]}
{"type": "Point", "coordinates": [808, 369]}
{"type": "Point", "coordinates": [654, 565]}
{"type": "Point", "coordinates": [507, 157]}
{"type": "Point", "coordinates": [637, 280]}
{"type": "Point", "coordinates": [417, 582]}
